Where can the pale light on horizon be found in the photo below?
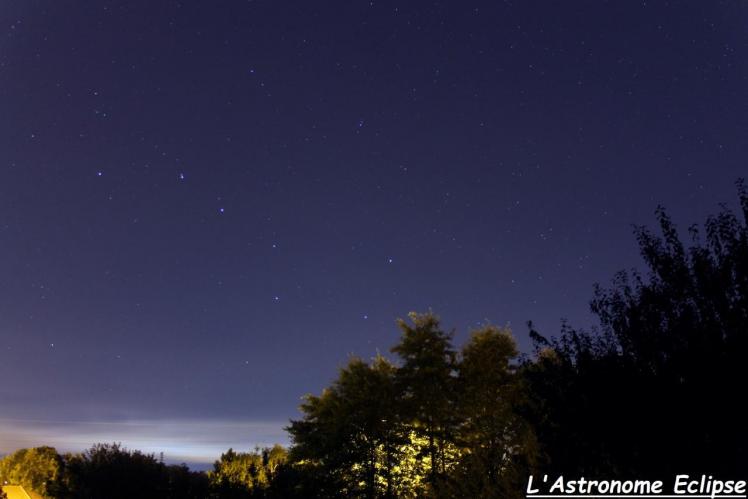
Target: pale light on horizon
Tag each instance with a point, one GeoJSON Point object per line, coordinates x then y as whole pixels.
{"type": "Point", "coordinates": [197, 443]}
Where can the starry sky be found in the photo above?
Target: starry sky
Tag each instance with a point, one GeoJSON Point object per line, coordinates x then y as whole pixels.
{"type": "Point", "coordinates": [207, 207]}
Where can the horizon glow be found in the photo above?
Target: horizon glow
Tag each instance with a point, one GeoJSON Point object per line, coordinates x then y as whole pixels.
{"type": "Point", "coordinates": [197, 443]}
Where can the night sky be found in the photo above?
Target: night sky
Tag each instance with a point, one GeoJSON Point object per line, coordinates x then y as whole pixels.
{"type": "Point", "coordinates": [207, 207]}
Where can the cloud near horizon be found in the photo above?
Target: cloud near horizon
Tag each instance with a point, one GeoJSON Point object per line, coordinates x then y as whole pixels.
{"type": "Point", "coordinates": [195, 442]}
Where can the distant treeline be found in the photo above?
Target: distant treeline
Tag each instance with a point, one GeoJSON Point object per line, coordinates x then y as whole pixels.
{"type": "Point", "coordinates": [656, 389]}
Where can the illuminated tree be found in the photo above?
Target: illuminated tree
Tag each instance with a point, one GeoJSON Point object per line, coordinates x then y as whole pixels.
{"type": "Point", "coordinates": [426, 379]}
{"type": "Point", "coordinates": [246, 474]}
{"type": "Point", "coordinates": [39, 469]}
{"type": "Point", "coordinates": [351, 434]}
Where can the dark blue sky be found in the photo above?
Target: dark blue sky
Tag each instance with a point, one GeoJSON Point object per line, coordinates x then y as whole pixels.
{"type": "Point", "coordinates": [206, 207]}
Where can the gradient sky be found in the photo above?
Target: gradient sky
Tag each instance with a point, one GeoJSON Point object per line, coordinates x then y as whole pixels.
{"type": "Point", "coordinates": [206, 207]}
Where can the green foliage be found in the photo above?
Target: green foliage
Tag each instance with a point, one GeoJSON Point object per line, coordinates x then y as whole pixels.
{"type": "Point", "coordinates": [437, 425]}
{"type": "Point", "coordinates": [497, 444]}
{"type": "Point", "coordinates": [239, 475]}
{"type": "Point", "coordinates": [351, 433]}
{"type": "Point", "coordinates": [38, 469]}
{"type": "Point", "coordinates": [426, 380]}
{"type": "Point", "coordinates": [649, 394]}
{"type": "Point", "coordinates": [102, 471]}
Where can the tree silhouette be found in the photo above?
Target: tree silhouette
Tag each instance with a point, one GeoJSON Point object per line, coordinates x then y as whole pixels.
{"type": "Point", "coordinates": [351, 433]}
{"type": "Point", "coordinates": [653, 392]}
{"type": "Point", "coordinates": [497, 444]}
{"type": "Point", "coordinates": [109, 470]}
{"type": "Point", "coordinates": [435, 425]}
